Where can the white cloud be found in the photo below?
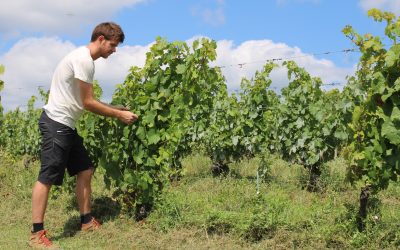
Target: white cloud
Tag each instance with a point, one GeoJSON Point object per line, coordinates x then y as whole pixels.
{"type": "Point", "coordinates": [387, 5]}
{"type": "Point", "coordinates": [31, 62]}
{"type": "Point", "coordinates": [28, 65]}
{"type": "Point", "coordinates": [56, 17]}
{"type": "Point", "coordinates": [254, 54]}
{"type": "Point", "coordinates": [214, 15]}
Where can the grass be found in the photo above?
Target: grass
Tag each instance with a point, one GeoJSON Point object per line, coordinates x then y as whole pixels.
{"type": "Point", "coordinates": [203, 212]}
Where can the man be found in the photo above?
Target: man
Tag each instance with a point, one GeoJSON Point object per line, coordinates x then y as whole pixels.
{"type": "Point", "coordinates": [71, 93]}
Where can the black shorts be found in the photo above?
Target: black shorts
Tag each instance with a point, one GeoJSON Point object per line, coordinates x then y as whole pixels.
{"type": "Point", "coordinates": [62, 148]}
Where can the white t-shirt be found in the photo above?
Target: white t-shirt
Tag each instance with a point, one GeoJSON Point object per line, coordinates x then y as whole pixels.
{"type": "Point", "coordinates": [65, 104]}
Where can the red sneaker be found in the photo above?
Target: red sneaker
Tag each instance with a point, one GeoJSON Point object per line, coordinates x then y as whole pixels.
{"type": "Point", "coordinates": [39, 240]}
{"type": "Point", "coordinates": [91, 226]}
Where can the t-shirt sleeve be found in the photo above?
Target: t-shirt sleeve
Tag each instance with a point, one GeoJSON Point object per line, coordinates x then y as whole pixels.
{"type": "Point", "coordinates": [84, 70]}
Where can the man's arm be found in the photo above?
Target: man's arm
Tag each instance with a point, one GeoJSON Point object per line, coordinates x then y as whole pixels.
{"type": "Point", "coordinates": [97, 107]}
{"type": "Point", "coordinates": [119, 107]}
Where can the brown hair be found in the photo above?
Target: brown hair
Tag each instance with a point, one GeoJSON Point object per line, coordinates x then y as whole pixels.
{"type": "Point", "coordinates": [110, 31]}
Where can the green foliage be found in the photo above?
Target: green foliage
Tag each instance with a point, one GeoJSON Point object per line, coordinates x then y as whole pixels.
{"type": "Point", "coordinates": [375, 150]}
{"type": "Point", "coordinates": [222, 136]}
{"type": "Point", "coordinates": [258, 105]}
{"type": "Point", "coordinates": [242, 126]}
{"type": "Point", "coordinates": [168, 94]}
{"type": "Point", "coordinates": [87, 128]}
{"type": "Point", "coordinates": [44, 95]}
{"type": "Point", "coordinates": [1, 89]}
{"type": "Point", "coordinates": [310, 121]}
{"type": "Point", "coordinates": [20, 132]}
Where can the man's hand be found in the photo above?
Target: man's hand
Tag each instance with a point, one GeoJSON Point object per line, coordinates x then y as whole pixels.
{"type": "Point", "coordinates": [127, 116]}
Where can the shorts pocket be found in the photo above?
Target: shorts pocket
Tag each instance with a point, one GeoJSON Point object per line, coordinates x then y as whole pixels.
{"type": "Point", "coordinates": [60, 153]}
{"type": "Point", "coordinates": [62, 144]}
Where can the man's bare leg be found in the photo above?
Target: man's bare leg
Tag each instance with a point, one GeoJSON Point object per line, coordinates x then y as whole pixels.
{"type": "Point", "coordinates": [83, 194]}
{"type": "Point", "coordinates": [40, 195]}
{"type": "Point", "coordinates": [84, 190]}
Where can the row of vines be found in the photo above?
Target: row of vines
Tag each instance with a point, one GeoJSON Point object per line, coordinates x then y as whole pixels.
{"type": "Point", "coordinates": [183, 104]}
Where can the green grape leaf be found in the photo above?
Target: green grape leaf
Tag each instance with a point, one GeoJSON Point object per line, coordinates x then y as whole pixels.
{"type": "Point", "coordinates": [390, 132]}
{"type": "Point", "coordinates": [153, 137]}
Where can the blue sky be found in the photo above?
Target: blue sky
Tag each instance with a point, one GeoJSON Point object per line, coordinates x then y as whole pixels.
{"type": "Point", "coordinates": [311, 25]}
{"type": "Point", "coordinates": [35, 35]}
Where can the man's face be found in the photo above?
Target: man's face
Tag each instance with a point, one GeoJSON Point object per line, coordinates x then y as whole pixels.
{"type": "Point", "coordinates": [108, 47]}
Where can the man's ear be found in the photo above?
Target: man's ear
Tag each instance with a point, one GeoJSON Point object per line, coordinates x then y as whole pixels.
{"type": "Point", "coordinates": [101, 38]}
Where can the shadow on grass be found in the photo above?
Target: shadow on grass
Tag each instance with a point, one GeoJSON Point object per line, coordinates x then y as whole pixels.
{"type": "Point", "coordinates": [103, 208]}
